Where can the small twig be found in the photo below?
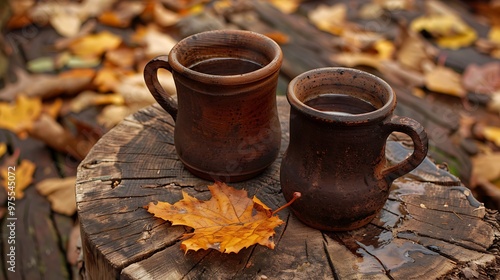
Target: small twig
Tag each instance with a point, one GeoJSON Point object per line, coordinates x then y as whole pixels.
{"type": "Point", "coordinates": [296, 195]}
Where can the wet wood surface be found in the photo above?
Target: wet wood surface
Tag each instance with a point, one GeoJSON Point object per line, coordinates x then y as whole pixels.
{"type": "Point", "coordinates": [431, 227]}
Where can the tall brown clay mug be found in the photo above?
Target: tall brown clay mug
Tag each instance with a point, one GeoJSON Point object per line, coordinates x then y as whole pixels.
{"type": "Point", "coordinates": [226, 119]}
{"type": "Point", "coordinates": [339, 121]}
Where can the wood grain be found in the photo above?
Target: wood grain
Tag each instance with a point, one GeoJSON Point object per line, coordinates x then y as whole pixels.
{"type": "Point", "coordinates": [430, 227]}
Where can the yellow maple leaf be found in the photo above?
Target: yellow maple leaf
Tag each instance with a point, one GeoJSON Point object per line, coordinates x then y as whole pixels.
{"type": "Point", "coordinates": [21, 175]}
{"type": "Point", "coordinates": [448, 30]}
{"type": "Point", "coordinates": [95, 44]}
{"type": "Point", "coordinates": [228, 222]}
{"type": "Point", "coordinates": [19, 117]}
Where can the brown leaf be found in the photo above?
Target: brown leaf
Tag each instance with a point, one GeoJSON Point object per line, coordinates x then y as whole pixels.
{"type": "Point", "coordinates": [228, 222]}
{"type": "Point", "coordinates": [122, 15]}
{"type": "Point", "coordinates": [56, 136]}
{"type": "Point", "coordinates": [47, 86]}
{"type": "Point", "coordinates": [60, 192]}
{"type": "Point", "coordinates": [482, 78]}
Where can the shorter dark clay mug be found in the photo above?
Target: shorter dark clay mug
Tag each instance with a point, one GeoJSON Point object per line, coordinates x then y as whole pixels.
{"type": "Point", "coordinates": [226, 120]}
{"type": "Point", "coordinates": [340, 119]}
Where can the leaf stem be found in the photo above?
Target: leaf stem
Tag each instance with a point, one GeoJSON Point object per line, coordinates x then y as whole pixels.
{"type": "Point", "coordinates": [296, 195]}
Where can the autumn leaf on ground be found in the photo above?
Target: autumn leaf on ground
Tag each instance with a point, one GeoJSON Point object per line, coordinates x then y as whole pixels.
{"type": "Point", "coordinates": [3, 149]}
{"type": "Point", "coordinates": [19, 117]}
{"type": "Point", "coordinates": [329, 18]}
{"type": "Point", "coordinates": [95, 44]}
{"type": "Point", "coordinates": [442, 79]}
{"type": "Point", "coordinates": [483, 79]}
{"type": "Point", "coordinates": [486, 166]}
{"type": "Point", "coordinates": [228, 222]}
{"type": "Point", "coordinates": [448, 30]}
{"type": "Point", "coordinates": [23, 174]}
{"type": "Point", "coordinates": [61, 194]}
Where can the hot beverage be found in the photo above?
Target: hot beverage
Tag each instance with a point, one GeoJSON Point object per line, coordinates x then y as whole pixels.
{"type": "Point", "coordinates": [342, 103]}
{"type": "Point", "coordinates": [225, 66]}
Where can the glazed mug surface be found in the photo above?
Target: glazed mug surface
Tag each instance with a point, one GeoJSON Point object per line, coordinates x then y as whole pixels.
{"type": "Point", "coordinates": [226, 120]}
{"type": "Point", "coordinates": [340, 119]}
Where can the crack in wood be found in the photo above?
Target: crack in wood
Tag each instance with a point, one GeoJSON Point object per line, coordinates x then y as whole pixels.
{"type": "Point", "coordinates": [386, 270]}
{"type": "Point", "coordinates": [330, 261]}
{"type": "Point", "coordinates": [284, 229]}
{"type": "Point", "coordinates": [452, 242]}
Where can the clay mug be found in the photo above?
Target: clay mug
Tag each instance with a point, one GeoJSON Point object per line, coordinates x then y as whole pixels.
{"type": "Point", "coordinates": [340, 119]}
{"type": "Point", "coordinates": [226, 120]}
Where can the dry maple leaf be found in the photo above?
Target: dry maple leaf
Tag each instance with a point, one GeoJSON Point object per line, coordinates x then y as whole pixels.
{"type": "Point", "coordinates": [23, 174]}
{"type": "Point", "coordinates": [228, 222]}
{"type": "Point", "coordinates": [19, 117]}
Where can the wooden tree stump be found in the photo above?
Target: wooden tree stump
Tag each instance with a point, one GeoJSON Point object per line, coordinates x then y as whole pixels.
{"type": "Point", "coordinates": [431, 226]}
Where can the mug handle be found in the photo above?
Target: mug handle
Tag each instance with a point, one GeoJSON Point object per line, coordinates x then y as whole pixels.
{"type": "Point", "coordinates": [154, 86]}
{"type": "Point", "coordinates": [420, 146]}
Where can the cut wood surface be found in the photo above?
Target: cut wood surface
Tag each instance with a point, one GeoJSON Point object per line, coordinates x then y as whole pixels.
{"type": "Point", "coordinates": [431, 226]}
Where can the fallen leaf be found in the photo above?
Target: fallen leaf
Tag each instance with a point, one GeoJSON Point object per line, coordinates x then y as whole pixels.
{"type": "Point", "coordinates": [111, 115]}
{"type": "Point", "coordinates": [412, 51]}
{"type": "Point", "coordinates": [95, 44]}
{"type": "Point", "coordinates": [107, 79]}
{"type": "Point", "coordinates": [121, 57]}
{"type": "Point", "coordinates": [494, 104]}
{"type": "Point", "coordinates": [329, 18]}
{"type": "Point", "coordinates": [65, 19]}
{"type": "Point", "coordinates": [494, 34]}
{"type": "Point", "coordinates": [82, 62]}
{"type": "Point", "coordinates": [483, 79]}
{"type": "Point", "coordinates": [278, 37]}
{"type": "Point", "coordinates": [53, 109]}
{"type": "Point", "coordinates": [19, 117]}
{"type": "Point", "coordinates": [165, 17]}
{"type": "Point", "coordinates": [156, 41]}
{"type": "Point", "coordinates": [90, 98]}
{"type": "Point", "coordinates": [393, 5]}
{"type": "Point", "coordinates": [486, 166]}
{"type": "Point", "coordinates": [41, 64]}
{"type": "Point", "coordinates": [448, 30]}
{"type": "Point", "coordinates": [54, 135]}
{"type": "Point", "coordinates": [23, 175]}
{"type": "Point", "coordinates": [47, 86]}
{"type": "Point", "coordinates": [123, 14]}
{"type": "Point", "coordinates": [60, 192]}
{"type": "Point", "coordinates": [66, 22]}
{"type": "Point", "coordinates": [135, 92]}
{"type": "Point", "coordinates": [228, 222]}
{"type": "Point", "coordinates": [442, 79]}
{"type": "Point", "coordinates": [286, 6]}
{"type": "Point", "coordinates": [492, 133]}
{"type": "Point", "coordinates": [3, 149]}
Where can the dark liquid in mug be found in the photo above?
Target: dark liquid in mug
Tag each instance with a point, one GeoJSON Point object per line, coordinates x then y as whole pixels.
{"type": "Point", "coordinates": [225, 66]}
{"type": "Point", "coordinates": [336, 102]}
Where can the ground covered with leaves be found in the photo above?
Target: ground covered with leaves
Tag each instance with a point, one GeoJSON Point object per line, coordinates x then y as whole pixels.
{"type": "Point", "coordinates": [71, 70]}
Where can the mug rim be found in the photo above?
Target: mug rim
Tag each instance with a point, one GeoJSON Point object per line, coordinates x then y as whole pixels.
{"type": "Point", "coordinates": [338, 117]}
{"type": "Point", "coordinates": [266, 70]}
